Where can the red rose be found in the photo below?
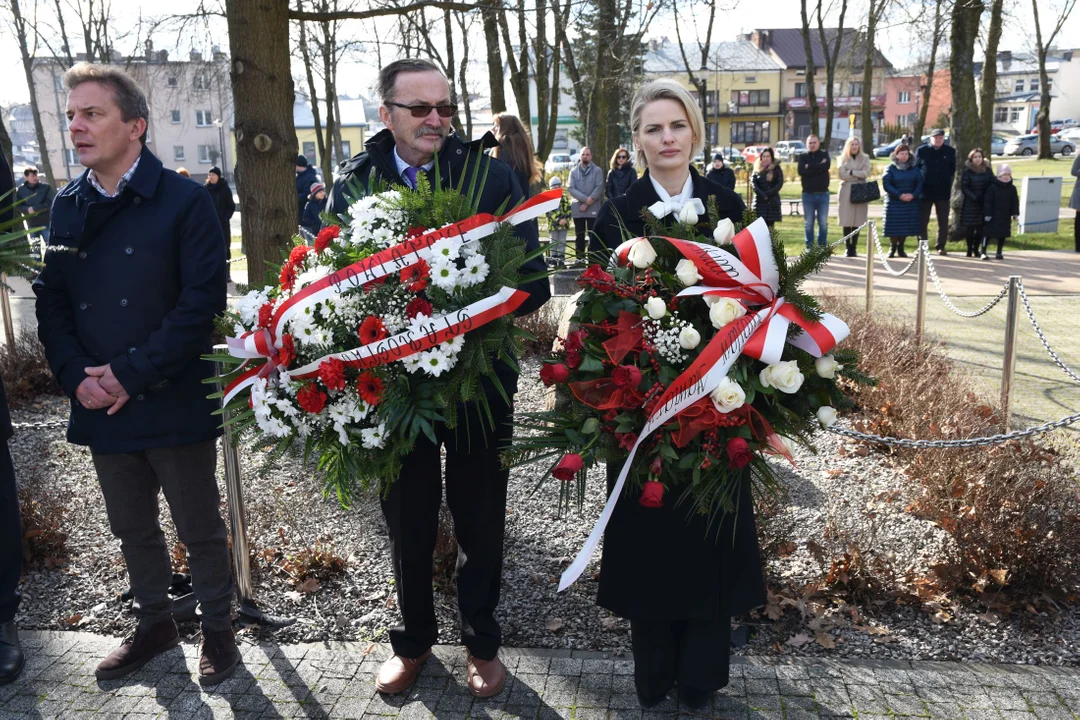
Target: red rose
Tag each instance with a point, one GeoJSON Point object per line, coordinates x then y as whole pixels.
{"type": "Point", "coordinates": [739, 453]}
{"type": "Point", "coordinates": [626, 440]}
{"type": "Point", "coordinates": [311, 399]}
{"type": "Point", "coordinates": [573, 359]}
{"type": "Point", "coordinates": [266, 314]}
{"type": "Point", "coordinates": [326, 236]}
{"type": "Point", "coordinates": [626, 376]}
{"type": "Point", "coordinates": [287, 278]}
{"type": "Point", "coordinates": [652, 495]}
{"type": "Point", "coordinates": [287, 353]}
{"type": "Point", "coordinates": [656, 466]}
{"type": "Point", "coordinates": [418, 306]}
{"type": "Point", "coordinates": [575, 340]}
{"type": "Point", "coordinates": [369, 385]}
{"type": "Point", "coordinates": [372, 330]}
{"type": "Point", "coordinates": [298, 253]}
{"type": "Point", "coordinates": [332, 374]}
{"type": "Point", "coordinates": [568, 467]}
{"type": "Point", "coordinates": [416, 276]}
{"type": "Point", "coordinates": [552, 373]}
{"type": "Point", "coordinates": [595, 274]}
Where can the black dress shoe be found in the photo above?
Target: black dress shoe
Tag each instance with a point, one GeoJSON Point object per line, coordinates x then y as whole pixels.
{"type": "Point", "coordinates": [11, 654]}
{"type": "Point", "coordinates": [694, 698]}
{"type": "Point", "coordinates": [648, 701]}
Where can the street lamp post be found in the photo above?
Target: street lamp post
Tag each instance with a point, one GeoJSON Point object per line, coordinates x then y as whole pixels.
{"type": "Point", "coordinates": [221, 144]}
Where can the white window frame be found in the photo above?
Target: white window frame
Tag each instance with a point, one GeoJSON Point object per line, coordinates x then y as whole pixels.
{"type": "Point", "coordinates": [1018, 86]}
{"type": "Point", "coordinates": [175, 116]}
{"type": "Point", "coordinates": [1034, 85]}
{"type": "Point", "coordinates": [1014, 115]}
{"type": "Point", "coordinates": [71, 156]}
{"type": "Point", "coordinates": [201, 82]}
{"type": "Point", "coordinates": [749, 78]}
{"type": "Point", "coordinates": [203, 118]}
{"type": "Point", "coordinates": [178, 153]}
{"type": "Point", "coordinates": [204, 154]}
{"type": "Point", "coordinates": [903, 97]}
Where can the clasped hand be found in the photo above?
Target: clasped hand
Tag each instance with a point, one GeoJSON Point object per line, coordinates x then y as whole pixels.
{"type": "Point", "coordinates": [101, 389]}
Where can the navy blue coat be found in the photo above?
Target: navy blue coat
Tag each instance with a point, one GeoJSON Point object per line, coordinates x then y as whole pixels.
{"type": "Point", "coordinates": [938, 167]}
{"type": "Point", "coordinates": [902, 219]}
{"type": "Point", "coordinates": [138, 287]}
{"type": "Point", "coordinates": [304, 181]}
{"type": "Point", "coordinates": [312, 222]}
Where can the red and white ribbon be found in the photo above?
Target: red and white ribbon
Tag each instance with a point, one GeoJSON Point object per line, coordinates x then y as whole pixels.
{"type": "Point", "coordinates": [753, 278]}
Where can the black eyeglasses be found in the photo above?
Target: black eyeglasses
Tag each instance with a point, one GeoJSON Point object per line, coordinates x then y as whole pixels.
{"type": "Point", "coordinates": [622, 157]}
{"type": "Point", "coordinates": [422, 111]}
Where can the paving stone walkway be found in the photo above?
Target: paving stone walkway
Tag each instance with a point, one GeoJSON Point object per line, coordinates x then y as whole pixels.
{"type": "Point", "coordinates": [337, 680]}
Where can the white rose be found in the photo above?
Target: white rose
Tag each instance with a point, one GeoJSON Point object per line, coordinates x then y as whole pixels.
{"type": "Point", "coordinates": [784, 376]}
{"type": "Point", "coordinates": [641, 254]}
{"type": "Point", "coordinates": [687, 272]}
{"type": "Point", "coordinates": [827, 366]}
{"type": "Point", "coordinates": [688, 214]}
{"type": "Point", "coordinates": [826, 415]}
{"type": "Point", "coordinates": [724, 232]}
{"type": "Point", "coordinates": [689, 338]}
{"type": "Point", "coordinates": [724, 311]}
{"type": "Point", "coordinates": [728, 395]}
{"type": "Point", "coordinates": [656, 308]}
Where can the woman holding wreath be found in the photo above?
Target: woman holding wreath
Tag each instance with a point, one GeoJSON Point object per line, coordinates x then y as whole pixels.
{"type": "Point", "coordinates": [678, 576]}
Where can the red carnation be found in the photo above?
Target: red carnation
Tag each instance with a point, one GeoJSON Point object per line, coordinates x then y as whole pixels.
{"type": "Point", "coordinates": [552, 373]}
{"type": "Point", "coordinates": [372, 330]}
{"type": "Point", "coordinates": [266, 314]}
{"type": "Point", "coordinates": [739, 453]}
{"type": "Point", "coordinates": [298, 254]}
{"type": "Point", "coordinates": [575, 340]}
{"type": "Point", "coordinates": [326, 236]}
{"type": "Point", "coordinates": [573, 359]}
{"type": "Point", "coordinates": [626, 440]}
{"type": "Point", "coordinates": [626, 376]}
{"type": "Point", "coordinates": [416, 276]}
{"type": "Point", "coordinates": [287, 353]}
{"type": "Point", "coordinates": [287, 278]}
{"type": "Point", "coordinates": [568, 467]}
{"type": "Point", "coordinates": [369, 385]}
{"type": "Point", "coordinates": [418, 306]}
{"type": "Point", "coordinates": [652, 495]}
{"type": "Point", "coordinates": [311, 399]}
{"type": "Point", "coordinates": [332, 374]}
{"type": "Point", "coordinates": [595, 275]}
{"type": "Point", "coordinates": [414, 232]}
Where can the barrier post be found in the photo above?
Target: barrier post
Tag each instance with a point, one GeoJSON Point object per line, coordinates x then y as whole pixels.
{"type": "Point", "coordinates": [871, 241]}
{"type": "Point", "coordinates": [5, 310]}
{"type": "Point", "coordinates": [920, 291]}
{"type": "Point", "coordinates": [1009, 363]}
{"type": "Point", "coordinates": [234, 492]}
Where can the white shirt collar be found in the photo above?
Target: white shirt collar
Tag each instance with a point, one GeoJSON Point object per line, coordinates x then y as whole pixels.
{"type": "Point", "coordinates": [686, 194]}
{"type": "Point", "coordinates": [124, 180]}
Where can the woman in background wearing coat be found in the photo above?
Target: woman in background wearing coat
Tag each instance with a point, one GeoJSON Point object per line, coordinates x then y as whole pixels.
{"type": "Point", "coordinates": [1074, 202]}
{"type": "Point", "coordinates": [973, 183]}
{"type": "Point", "coordinates": [622, 174]}
{"type": "Point", "coordinates": [1000, 205]}
{"type": "Point", "coordinates": [224, 205]}
{"type": "Point", "coordinates": [854, 167]}
{"type": "Point", "coordinates": [768, 179]}
{"type": "Point", "coordinates": [902, 182]}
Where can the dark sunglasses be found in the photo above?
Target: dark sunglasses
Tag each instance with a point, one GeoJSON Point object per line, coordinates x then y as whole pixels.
{"type": "Point", "coordinates": [622, 157]}
{"type": "Point", "coordinates": [422, 111]}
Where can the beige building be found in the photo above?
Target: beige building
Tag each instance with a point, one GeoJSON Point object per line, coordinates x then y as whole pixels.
{"type": "Point", "coordinates": [190, 111]}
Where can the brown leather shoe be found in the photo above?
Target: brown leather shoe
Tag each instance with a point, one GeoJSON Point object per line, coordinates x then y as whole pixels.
{"type": "Point", "coordinates": [218, 656]}
{"type": "Point", "coordinates": [138, 649]}
{"type": "Point", "coordinates": [486, 677]}
{"type": "Point", "coordinates": [399, 673]}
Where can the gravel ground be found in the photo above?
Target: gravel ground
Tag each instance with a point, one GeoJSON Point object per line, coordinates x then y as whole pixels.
{"type": "Point", "coordinates": [834, 498]}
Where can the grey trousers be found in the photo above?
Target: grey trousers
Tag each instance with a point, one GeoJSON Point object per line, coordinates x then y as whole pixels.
{"type": "Point", "coordinates": [130, 483]}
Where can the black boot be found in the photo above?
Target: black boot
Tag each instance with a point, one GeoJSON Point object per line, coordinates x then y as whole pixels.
{"type": "Point", "coordinates": [11, 654]}
{"type": "Point", "coordinates": [852, 246]}
{"type": "Point", "coordinates": [693, 698]}
{"type": "Point", "coordinates": [892, 249]}
{"type": "Point", "coordinates": [900, 248]}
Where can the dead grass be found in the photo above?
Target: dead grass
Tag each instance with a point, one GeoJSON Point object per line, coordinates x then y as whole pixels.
{"type": "Point", "coordinates": [25, 370]}
{"type": "Point", "coordinates": [43, 514]}
{"type": "Point", "coordinates": [543, 326]}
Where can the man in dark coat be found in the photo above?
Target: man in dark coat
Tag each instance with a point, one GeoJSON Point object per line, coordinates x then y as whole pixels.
{"type": "Point", "coordinates": [720, 173]}
{"type": "Point", "coordinates": [937, 163]}
{"type": "Point", "coordinates": [11, 654]}
{"type": "Point", "coordinates": [305, 178]}
{"type": "Point", "coordinates": [37, 198]}
{"type": "Point", "coordinates": [416, 110]}
{"type": "Point", "coordinates": [125, 308]}
{"type": "Point", "coordinates": [224, 205]}
{"type": "Point", "coordinates": [814, 173]}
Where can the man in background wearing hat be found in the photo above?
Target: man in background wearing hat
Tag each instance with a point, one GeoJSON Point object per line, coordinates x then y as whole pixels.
{"type": "Point", "coordinates": [558, 225]}
{"type": "Point", "coordinates": [720, 173]}
{"type": "Point", "coordinates": [224, 205]}
{"type": "Point", "coordinates": [305, 178]}
{"type": "Point", "coordinates": [313, 208]}
{"type": "Point", "coordinates": [937, 163]}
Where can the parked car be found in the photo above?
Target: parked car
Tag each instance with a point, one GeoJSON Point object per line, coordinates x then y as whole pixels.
{"type": "Point", "coordinates": [788, 150]}
{"type": "Point", "coordinates": [1072, 134]}
{"type": "Point", "coordinates": [886, 150]}
{"type": "Point", "coordinates": [997, 145]}
{"type": "Point", "coordinates": [1029, 145]}
{"type": "Point", "coordinates": [731, 156]}
{"type": "Point", "coordinates": [559, 162]}
{"type": "Point", "coordinates": [750, 152]}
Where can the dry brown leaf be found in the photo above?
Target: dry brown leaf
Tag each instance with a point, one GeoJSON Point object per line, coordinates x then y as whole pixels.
{"type": "Point", "coordinates": [825, 640]}
{"type": "Point", "coordinates": [309, 586]}
{"type": "Point", "coordinates": [1000, 575]}
{"type": "Point", "coordinates": [799, 640]}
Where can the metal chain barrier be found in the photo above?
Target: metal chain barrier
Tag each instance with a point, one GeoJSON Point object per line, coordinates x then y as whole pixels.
{"type": "Point", "coordinates": [925, 247]}
{"type": "Point", "coordinates": [966, 442]}
{"type": "Point", "coordinates": [885, 262]}
{"type": "Point", "coordinates": [236, 260]}
{"type": "Point", "coordinates": [42, 425]}
{"type": "Point", "coordinates": [1042, 338]}
{"type": "Point", "coordinates": [851, 234]}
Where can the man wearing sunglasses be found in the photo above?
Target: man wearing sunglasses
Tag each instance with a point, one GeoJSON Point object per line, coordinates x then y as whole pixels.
{"type": "Point", "coordinates": [417, 112]}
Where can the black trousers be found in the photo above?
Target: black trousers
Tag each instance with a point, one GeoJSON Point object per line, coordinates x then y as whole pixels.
{"type": "Point", "coordinates": [476, 495]}
{"type": "Point", "coordinates": [1000, 244]}
{"type": "Point", "coordinates": [941, 208]}
{"type": "Point", "coordinates": [582, 228]}
{"type": "Point", "coordinates": [11, 552]}
{"type": "Point", "coordinates": [690, 653]}
{"type": "Point", "coordinates": [974, 239]}
{"type": "Point", "coordinates": [852, 242]}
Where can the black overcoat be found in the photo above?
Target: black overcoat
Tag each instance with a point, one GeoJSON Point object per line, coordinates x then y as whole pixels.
{"type": "Point", "coordinates": [767, 195]}
{"type": "Point", "coordinates": [224, 206]}
{"type": "Point", "coordinates": [7, 184]}
{"type": "Point", "coordinates": [665, 563]}
{"type": "Point", "coordinates": [724, 177]}
{"type": "Point", "coordinates": [974, 184]}
{"type": "Point", "coordinates": [1001, 204]}
{"type": "Point", "coordinates": [619, 180]}
{"type": "Point", "coordinates": [135, 282]}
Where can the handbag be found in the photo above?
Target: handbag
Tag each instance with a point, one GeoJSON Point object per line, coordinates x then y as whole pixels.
{"type": "Point", "coordinates": [864, 192]}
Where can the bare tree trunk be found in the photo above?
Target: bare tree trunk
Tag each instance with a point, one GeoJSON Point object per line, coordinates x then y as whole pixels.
{"type": "Point", "coordinates": [989, 77]}
{"type": "Point", "coordinates": [931, 67]}
{"type": "Point", "coordinates": [562, 18]}
{"type": "Point", "coordinates": [966, 15]}
{"type": "Point", "coordinates": [333, 134]}
{"type": "Point", "coordinates": [831, 57]}
{"type": "Point", "coordinates": [313, 95]}
{"type": "Point", "coordinates": [603, 103]}
{"type": "Point", "coordinates": [541, 78]}
{"type": "Point", "coordinates": [877, 7]}
{"type": "Point", "coordinates": [519, 66]}
{"type": "Point", "coordinates": [28, 70]}
{"type": "Point", "coordinates": [552, 86]}
{"type": "Point", "coordinates": [265, 135]}
{"type": "Point", "coordinates": [1043, 117]}
{"type": "Point", "coordinates": [700, 82]}
{"type": "Point", "coordinates": [490, 15]}
{"type": "Point", "coordinates": [811, 93]}
{"type": "Point", "coordinates": [463, 75]}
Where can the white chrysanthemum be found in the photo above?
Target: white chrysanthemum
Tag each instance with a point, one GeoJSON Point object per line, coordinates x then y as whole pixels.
{"type": "Point", "coordinates": [309, 276]}
{"type": "Point", "coordinates": [446, 249]}
{"type": "Point", "coordinates": [412, 362]}
{"type": "Point", "coordinates": [476, 270]}
{"type": "Point", "coordinates": [444, 275]}
{"type": "Point", "coordinates": [248, 307]}
{"type": "Point", "coordinates": [453, 345]}
{"type": "Point", "coordinates": [434, 362]}
{"type": "Point", "coordinates": [373, 437]}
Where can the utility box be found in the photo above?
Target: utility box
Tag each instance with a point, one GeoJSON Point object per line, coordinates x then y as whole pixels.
{"type": "Point", "coordinates": [1040, 203]}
